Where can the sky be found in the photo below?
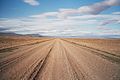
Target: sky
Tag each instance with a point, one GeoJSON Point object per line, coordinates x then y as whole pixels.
{"type": "Point", "coordinates": [60, 17]}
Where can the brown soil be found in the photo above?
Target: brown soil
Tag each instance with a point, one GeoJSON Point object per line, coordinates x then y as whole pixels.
{"type": "Point", "coordinates": [61, 59]}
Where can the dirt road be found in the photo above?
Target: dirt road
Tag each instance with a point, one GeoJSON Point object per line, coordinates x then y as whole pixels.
{"type": "Point", "coordinates": [58, 59]}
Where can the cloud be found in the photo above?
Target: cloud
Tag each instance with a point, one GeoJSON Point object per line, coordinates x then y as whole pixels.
{"type": "Point", "coordinates": [111, 32]}
{"type": "Point", "coordinates": [32, 2]}
{"type": "Point", "coordinates": [108, 32]}
{"type": "Point", "coordinates": [45, 15]}
{"type": "Point", "coordinates": [117, 13]}
{"type": "Point", "coordinates": [93, 9]}
{"type": "Point", "coordinates": [99, 7]}
{"type": "Point", "coordinates": [105, 16]}
{"type": "Point", "coordinates": [73, 25]}
{"type": "Point", "coordinates": [103, 28]}
{"type": "Point", "coordinates": [110, 22]}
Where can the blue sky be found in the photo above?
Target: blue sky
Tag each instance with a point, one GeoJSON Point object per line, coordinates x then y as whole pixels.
{"type": "Point", "coordinates": [60, 17]}
{"type": "Point", "coordinates": [18, 8]}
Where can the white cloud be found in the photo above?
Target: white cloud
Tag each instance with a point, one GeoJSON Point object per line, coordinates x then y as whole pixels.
{"type": "Point", "coordinates": [45, 15]}
{"type": "Point", "coordinates": [32, 2]}
{"type": "Point", "coordinates": [110, 21]}
{"type": "Point", "coordinates": [73, 25]}
{"type": "Point", "coordinates": [99, 7]}
{"type": "Point", "coordinates": [117, 13]}
{"type": "Point", "coordinates": [93, 9]}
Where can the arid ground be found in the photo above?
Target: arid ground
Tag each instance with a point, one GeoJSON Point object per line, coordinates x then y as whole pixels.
{"type": "Point", "coordinates": [59, 59]}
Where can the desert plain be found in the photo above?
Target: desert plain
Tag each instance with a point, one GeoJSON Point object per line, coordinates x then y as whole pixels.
{"type": "Point", "coordinates": [27, 58]}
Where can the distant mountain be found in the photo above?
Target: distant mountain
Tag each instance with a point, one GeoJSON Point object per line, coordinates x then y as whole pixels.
{"type": "Point", "coordinates": [82, 36]}
{"type": "Point", "coordinates": [9, 34]}
{"type": "Point", "coordinates": [34, 35]}
{"type": "Point", "coordinates": [14, 34]}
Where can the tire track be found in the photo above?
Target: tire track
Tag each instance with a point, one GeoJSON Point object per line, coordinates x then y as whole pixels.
{"type": "Point", "coordinates": [39, 67]}
{"type": "Point", "coordinates": [75, 74]}
{"type": "Point", "coordinates": [93, 67]}
{"type": "Point", "coordinates": [31, 70]}
{"type": "Point", "coordinates": [25, 64]}
{"type": "Point", "coordinates": [11, 61]}
{"type": "Point", "coordinates": [104, 54]}
{"type": "Point", "coordinates": [57, 66]}
{"type": "Point", "coordinates": [3, 49]}
{"type": "Point", "coordinates": [10, 49]}
{"type": "Point", "coordinates": [78, 73]}
{"type": "Point", "coordinates": [14, 60]}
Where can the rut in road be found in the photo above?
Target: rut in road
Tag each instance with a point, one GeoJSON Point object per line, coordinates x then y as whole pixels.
{"type": "Point", "coordinates": [80, 74]}
{"type": "Point", "coordinates": [58, 66]}
{"type": "Point", "coordinates": [106, 55]}
{"type": "Point", "coordinates": [17, 57]}
{"type": "Point", "coordinates": [17, 68]}
{"type": "Point", "coordinates": [39, 67]}
{"type": "Point", "coordinates": [93, 66]}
